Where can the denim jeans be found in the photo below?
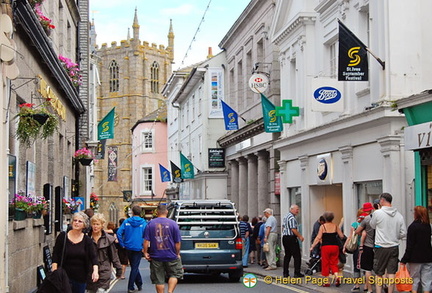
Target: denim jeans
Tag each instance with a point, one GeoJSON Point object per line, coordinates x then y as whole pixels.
{"type": "Point", "coordinates": [77, 287]}
{"type": "Point", "coordinates": [245, 256]}
{"type": "Point", "coordinates": [134, 276]}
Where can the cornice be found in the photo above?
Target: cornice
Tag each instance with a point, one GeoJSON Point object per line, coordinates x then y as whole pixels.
{"type": "Point", "coordinates": [305, 18]}
{"type": "Point", "coordinates": [245, 132]}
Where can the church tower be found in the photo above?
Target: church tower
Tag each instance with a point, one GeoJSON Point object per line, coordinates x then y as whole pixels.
{"type": "Point", "coordinates": [132, 75]}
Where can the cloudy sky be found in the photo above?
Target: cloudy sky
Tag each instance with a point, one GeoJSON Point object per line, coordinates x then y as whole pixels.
{"type": "Point", "coordinates": [113, 18]}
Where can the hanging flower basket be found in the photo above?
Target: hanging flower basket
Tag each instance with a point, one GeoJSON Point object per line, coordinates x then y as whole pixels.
{"type": "Point", "coordinates": [85, 162]}
{"type": "Point", "coordinates": [34, 123]}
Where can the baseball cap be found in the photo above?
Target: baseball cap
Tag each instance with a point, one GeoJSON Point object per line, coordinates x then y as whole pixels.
{"type": "Point", "coordinates": [367, 206]}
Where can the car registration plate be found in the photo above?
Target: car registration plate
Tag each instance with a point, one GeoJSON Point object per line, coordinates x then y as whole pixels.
{"type": "Point", "coordinates": [206, 245]}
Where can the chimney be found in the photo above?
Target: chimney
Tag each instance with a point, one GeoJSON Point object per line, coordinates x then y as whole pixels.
{"type": "Point", "coordinates": [210, 53]}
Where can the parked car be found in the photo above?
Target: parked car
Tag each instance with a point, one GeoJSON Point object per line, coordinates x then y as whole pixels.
{"type": "Point", "coordinates": [211, 241]}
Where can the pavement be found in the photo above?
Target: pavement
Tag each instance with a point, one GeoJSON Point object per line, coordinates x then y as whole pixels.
{"type": "Point", "coordinates": [307, 283]}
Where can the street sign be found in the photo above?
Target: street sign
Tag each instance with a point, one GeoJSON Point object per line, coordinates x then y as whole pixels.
{"type": "Point", "coordinates": [258, 83]}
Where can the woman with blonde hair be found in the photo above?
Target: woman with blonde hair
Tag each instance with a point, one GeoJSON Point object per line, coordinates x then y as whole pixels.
{"type": "Point", "coordinates": [104, 244]}
{"type": "Point", "coordinates": [418, 252]}
{"type": "Point", "coordinates": [327, 235]}
{"type": "Point", "coordinates": [75, 253]}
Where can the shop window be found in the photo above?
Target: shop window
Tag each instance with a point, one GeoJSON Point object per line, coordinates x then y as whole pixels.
{"type": "Point", "coordinates": [295, 198]}
{"type": "Point", "coordinates": [368, 191]}
{"type": "Point", "coordinates": [429, 190]}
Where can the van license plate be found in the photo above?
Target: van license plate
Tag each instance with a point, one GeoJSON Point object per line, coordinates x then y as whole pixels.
{"type": "Point", "coordinates": [206, 245]}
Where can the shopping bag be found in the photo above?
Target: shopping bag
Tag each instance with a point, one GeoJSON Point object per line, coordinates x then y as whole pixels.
{"type": "Point", "coordinates": [266, 247]}
{"type": "Point", "coordinates": [403, 279]}
{"type": "Point", "coordinates": [352, 244]}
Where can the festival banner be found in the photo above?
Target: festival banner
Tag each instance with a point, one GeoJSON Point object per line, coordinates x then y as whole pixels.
{"type": "Point", "coordinates": [112, 163]}
{"type": "Point", "coordinates": [176, 173]}
{"type": "Point", "coordinates": [164, 173]}
{"type": "Point", "coordinates": [230, 117]}
{"type": "Point", "coordinates": [187, 168]}
{"type": "Point", "coordinates": [106, 126]}
{"type": "Point", "coordinates": [272, 123]}
{"type": "Point", "coordinates": [353, 63]}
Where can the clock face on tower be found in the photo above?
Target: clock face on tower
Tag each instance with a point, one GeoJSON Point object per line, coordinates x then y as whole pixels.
{"type": "Point", "coordinates": [116, 119]}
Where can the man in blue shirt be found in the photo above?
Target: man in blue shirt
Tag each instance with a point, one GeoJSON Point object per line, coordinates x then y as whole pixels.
{"type": "Point", "coordinates": [131, 236]}
{"type": "Point", "coordinates": [162, 249]}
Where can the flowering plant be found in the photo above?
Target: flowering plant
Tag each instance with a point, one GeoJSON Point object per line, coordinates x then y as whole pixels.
{"type": "Point", "coordinates": [44, 21]}
{"type": "Point", "coordinates": [72, 70]}
{"type": "Point", "coordinates": [34, 123]}
{"type": "Point", "coordinates": [83, 153]}
{"type": "Point", "coordinates": [38, 204]}
{"type": "Point", "coordinates": [69, 205]}
{"type": "Point", "coordinates": [94, 201]}
{"type": "Point", "coordinates": [21, 202]}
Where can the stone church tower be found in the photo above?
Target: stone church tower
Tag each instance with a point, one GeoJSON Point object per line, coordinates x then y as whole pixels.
{"type": "Point", "coordinates": [131, 75]}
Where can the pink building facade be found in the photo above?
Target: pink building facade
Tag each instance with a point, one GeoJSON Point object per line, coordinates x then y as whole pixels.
{"type": "Point", "coordinates": [149, 145]}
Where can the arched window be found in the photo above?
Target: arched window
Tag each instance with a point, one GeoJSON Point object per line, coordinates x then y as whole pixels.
{"type": "Point", "coordinates": [113, 213]}
{"type": "Point", "coordinates": [114, 77]}
{"type": "Point", "coordinates": [154, 78]}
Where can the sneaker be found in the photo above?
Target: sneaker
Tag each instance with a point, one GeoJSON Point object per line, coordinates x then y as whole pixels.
{"type": "Point", "coordinates": [269, 268]}
{"type": "Point", "coordinates": [355, 289]}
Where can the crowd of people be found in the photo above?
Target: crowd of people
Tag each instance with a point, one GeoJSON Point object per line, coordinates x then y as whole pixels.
{"type": "Point", "coordinates": [379, 227]}
{"type": "Point", "coordinates": [88, 251]}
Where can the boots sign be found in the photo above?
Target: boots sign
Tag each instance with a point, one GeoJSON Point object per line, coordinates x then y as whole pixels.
{"type": "Point", "coordinates": [258, 83]}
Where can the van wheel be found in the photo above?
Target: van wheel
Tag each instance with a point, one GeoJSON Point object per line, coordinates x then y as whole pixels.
{"type": "Point", "coordinates": [235, 276]}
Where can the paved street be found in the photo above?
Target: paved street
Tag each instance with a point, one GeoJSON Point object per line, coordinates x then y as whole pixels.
{"type": "Point", "coordinates": [267, 281]}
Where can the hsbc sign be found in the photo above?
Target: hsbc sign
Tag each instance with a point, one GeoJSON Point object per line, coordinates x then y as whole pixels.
{"type": "Point", "coordinates": [258, 83]}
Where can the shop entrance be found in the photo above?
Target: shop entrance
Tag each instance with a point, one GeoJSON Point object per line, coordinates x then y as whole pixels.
{"type": "Point", "coordinates": [326, 198]}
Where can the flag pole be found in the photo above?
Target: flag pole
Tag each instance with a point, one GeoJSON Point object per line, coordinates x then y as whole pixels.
{"type": "Point", "coordinates": [376, 58]}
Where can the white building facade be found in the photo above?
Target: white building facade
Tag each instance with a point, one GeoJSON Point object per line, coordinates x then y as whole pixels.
{"type": "Point", "coordinates": [195, 122]}
{"type": "Point", "coordinates": [358, 145]}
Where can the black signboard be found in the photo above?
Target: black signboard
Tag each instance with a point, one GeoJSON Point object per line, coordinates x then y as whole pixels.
{"type": "Point", "coordinates": [47, 258]}
{"type": "Point", "coordinates": [216, 158]}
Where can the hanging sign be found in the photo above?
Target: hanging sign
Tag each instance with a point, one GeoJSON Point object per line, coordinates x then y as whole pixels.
{"type": "Point", "coordinates": [258, 83]}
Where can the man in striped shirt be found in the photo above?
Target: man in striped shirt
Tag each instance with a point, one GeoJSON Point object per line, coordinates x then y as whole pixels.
{"type": "Point", "coordinates": [289, 240]}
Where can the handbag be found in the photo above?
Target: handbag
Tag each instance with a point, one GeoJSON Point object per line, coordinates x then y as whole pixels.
{"type": "Point", "coordinates": [352, 243]}
{"type": "Point", "coordinates": [404, 278]}
{"type": "Point", "coordinates": [58, 280]}
{"type": "Point", "coordinates": [266, 247]}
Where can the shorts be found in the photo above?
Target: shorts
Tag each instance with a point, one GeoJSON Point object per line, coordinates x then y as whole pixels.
{"type": "Point", "coordinates": [367, 258]}
{"type": "Point", "coordinates": [386, 259]}
{"type": "Point", "coordinates": [159, 270]}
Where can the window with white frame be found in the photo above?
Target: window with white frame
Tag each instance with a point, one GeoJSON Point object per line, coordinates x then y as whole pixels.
{"type": "Point", "coordinates": [333, 59]}
{"type": "Point", "coordinates": [147, 181]}
{"type": "Point", "coordinates": [147, 140]}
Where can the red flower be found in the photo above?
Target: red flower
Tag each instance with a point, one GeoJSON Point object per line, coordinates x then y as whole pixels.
{"type": "Point", "coordinates": [28, 105]}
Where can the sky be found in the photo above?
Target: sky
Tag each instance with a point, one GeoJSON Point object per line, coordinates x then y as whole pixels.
{"type": "Point", "coordinates": [113, 18]}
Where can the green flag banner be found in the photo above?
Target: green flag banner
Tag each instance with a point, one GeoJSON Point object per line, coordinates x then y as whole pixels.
{"type": "Point", "coordinates": [187, 169]}
{"type": "Point", "coordinates": [272, 123]}
{"type": "Point", "coordinates": [106, 126]}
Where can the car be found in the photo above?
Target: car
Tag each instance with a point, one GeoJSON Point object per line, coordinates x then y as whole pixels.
{"type": "Point", "coordinates": [211, 241]}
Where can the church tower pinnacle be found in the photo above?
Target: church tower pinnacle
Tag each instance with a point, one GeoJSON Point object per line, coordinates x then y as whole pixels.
{"type": "Point", "coordinates": [135, 26]}
{"type": "Point", "coordinates": [171, 40]}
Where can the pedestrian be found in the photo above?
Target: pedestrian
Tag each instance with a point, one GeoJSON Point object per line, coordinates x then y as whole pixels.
{"type": "Point", "coordinates": [328, 234]}
{"type": "Point", "coordinates": [255, 234]}
{"type": "Point", "coordinates": [104, 244]}
{"type": "Point", "coordinates": [131, 237]}
{"type": "Point", "coordinates": [367, 241]}
{"type": "Point", "coordinates": [252, 241]}
{"type": "Point", "coordinates": [271, 238]}
{"type": "Point", "coordinates": [75, 252]}
{"type": "Point", "coordinates": [355, 253]}
{"type": "Point", "coordinates": [121, 251]}
{"type": "Point", "coordinates": [290, 238]}
{"type": "Point", "coordinates": [162, 249]}
{"type": "Point", "coordinates": [109, 228]}
{"type": "Point", "coordinates": [245, 232]}
{"type": "Point", "coordinates": [418, 252]}
{"type": "Point", "coordinates": [389, 228]}
{"type": "Point", "coordinates": [315, 229]}
{"type": "Point", "coordinates": [261, 235]}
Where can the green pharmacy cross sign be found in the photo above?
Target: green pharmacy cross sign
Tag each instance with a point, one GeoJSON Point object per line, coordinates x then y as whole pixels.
{"type": "Point", "coordinates": [287, 111]}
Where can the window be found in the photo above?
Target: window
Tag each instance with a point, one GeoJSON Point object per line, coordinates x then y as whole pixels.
{"type": "Point", "coordinates": [147, 141]}
{"type": "Point", "coordinates": [368, 191]}
{"type": "Point", "coordinates": [114, 77]}
{"type": "Point", "coordinates": [147, 181]}
{"type": "Point", "coordinates": [333, 60]}
{"type": "Point", "coordinates": [154, 78]}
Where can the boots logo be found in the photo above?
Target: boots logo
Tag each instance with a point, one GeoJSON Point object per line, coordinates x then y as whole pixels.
{"type": "Point", "coordinates": [353, 55]}
{"type": "Point", "coordinates": [327, 95]}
